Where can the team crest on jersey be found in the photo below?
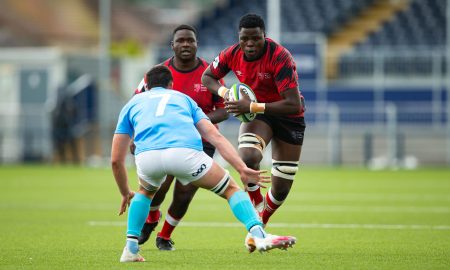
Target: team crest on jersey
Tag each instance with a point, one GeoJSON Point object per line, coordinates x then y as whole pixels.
{"type": "Point", "coordinates": [198, 87]}
{"type": "Point", "coordinates": [216, 62]}
{"type": "Point", "coordinates": [263, 75]}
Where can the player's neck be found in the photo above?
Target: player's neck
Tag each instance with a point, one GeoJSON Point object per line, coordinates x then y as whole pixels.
{"type": "Point", "coordinates": [185, 65]}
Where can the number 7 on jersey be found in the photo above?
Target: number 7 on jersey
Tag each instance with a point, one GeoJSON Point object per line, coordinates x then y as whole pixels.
{"type": "Point", "coordinates": [161, 104]}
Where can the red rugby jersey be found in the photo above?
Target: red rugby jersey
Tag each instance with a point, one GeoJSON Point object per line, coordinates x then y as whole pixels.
{"type": "Point", "coordinates": [190, 83]}
{"type": "Point", "coordinates": [268, 76]}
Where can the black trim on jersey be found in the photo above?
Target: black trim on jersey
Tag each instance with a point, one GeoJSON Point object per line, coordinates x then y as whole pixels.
{"type": "Point", "coordinates": [200, 63]}
{"type": "Point", "coordinates": [285, 73]}
{"type": "Point", "coordinates": [272, 47]}
{"type": "Point", "coordinates": [235, 49]}
{"type": "Point", "coordinates": [262, 54]}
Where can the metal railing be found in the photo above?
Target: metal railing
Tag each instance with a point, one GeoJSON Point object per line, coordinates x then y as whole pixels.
{"type": "Point", "coordinates": [387, 63]}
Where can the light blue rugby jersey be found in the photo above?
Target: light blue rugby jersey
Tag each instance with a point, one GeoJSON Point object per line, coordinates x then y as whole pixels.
{"type": "Point", "coordinates": [161, 118]}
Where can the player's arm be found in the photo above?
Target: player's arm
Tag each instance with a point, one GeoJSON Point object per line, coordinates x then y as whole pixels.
{"type": "Point", "coordinates": [218, 115]}
{"type": "Point", "coordinates": [290, 104]}
{"type": "Point", "coordinates": [227, 151]}
{"type": "Point", "coordinates": [212, 83]}
{"type": "Point", "coordinates": [286, 80]}
{"type": "Point", "coordinates": [118, 154]}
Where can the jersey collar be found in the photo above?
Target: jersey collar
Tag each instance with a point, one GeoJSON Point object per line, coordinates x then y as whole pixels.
{"type": "Point", "coordinates": [200, 63]}
{"type": "Point", "coordinates": [157, 88]}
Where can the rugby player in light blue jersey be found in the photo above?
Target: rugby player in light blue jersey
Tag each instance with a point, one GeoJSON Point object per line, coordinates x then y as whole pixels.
{"type": "Point", "coordinates": [167, 127]}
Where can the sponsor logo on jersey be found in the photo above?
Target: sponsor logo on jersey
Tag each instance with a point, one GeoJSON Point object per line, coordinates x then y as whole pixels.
{"type": "Point", "coordinates": [239, 73]}
{"type": "Point", "coordinates": [263, 75]}
{"type": "Point", "coordinates": [198, 87]}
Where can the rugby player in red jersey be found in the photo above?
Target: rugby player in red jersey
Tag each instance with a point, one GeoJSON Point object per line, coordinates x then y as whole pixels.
{"type": "Point", "coordinates": [187, 70]}
{"type": "Point", "coordinates": [269, 69]}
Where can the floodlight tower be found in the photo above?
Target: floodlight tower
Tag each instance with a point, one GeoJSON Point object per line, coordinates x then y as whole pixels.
{"type": "Point", "coordinates": [447, 75]}
{"type": "Point", "coordinates": [274, 20]}
{"type": "Point", "coordinates": [105, 95]}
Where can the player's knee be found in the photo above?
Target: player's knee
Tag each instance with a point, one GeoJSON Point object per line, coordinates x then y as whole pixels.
{"type": "Point", "coordinates": [251, 159]}
{"type": "Point", "coordinates": [251, 147]}
{"type": "Point", "coordinates": [284, 169]}
{"type": "Point", "coordinates": [147, 187]}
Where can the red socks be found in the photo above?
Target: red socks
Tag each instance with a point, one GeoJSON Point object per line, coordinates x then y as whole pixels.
{"type": "Point", "coordinates": [153, 216]}
{"type": "Point", "coordinates": [255, 194]}
{"type": "Point", "coordinates": [169, 225]}
{"type": "Point", "coordinates": [271, 206]}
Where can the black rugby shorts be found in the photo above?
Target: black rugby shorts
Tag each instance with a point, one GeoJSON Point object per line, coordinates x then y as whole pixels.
{"type": "Point", "coordinates": [287, 129]}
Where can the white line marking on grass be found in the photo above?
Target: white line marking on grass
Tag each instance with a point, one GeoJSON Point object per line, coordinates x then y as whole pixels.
{"type": "Point", "coordinates": [296, 225]}
{"type": "Point", "coordinates": [348, 208]}
{"type": "Point", "coordinates": [407, 197]}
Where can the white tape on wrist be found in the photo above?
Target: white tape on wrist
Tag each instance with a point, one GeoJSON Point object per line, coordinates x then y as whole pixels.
{"type": "Point", "coordinates": [222, 91]}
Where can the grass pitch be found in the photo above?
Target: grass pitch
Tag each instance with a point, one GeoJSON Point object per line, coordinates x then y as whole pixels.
{"type": "Point", "coordinates": [66, 218]}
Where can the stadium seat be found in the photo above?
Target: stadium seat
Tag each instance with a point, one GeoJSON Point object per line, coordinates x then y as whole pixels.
{"type": "Point", "coordinates": [420, 27]}
{"type": "Point", "coordinates": [298, 16]}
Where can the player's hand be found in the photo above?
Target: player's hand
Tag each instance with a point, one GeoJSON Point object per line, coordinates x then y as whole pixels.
{"type": "Point", "coordinates": [250, 176]}
{"type": "Point", "coordinates": [132, 147]}
{"type": "Point", "coordinates": [237, 107]}
{"type": "Point", "coordinates": [126, 200]}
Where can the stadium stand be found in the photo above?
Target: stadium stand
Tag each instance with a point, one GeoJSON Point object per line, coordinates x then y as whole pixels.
{"type": "Point", "coordinates": [421, 24]}
{"type": "Point", "coordinates": [353, 29]}
{"type": "Point", "coordinates": [298, 16]}
{"type": "Point", "coordinates": [409, 37]}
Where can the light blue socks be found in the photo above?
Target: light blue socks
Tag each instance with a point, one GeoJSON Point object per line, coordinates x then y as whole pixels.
{"type": "Point", "coordinates": [258, 231]}
{"type": "Point", "coordinates": [243, 210]}
{"type": "Point", "coordinates": [137, 213]}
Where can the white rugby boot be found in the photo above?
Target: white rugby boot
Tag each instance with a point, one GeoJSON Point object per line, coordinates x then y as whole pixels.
{"type": "Point", "coordinates": [269, 242]}
{"type": "Point", "coordinates": [127, 256]}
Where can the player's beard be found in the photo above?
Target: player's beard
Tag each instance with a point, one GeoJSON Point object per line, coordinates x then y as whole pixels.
{"type": "Point", "coordinates": [255, 54]}
{"type": "Point", "coordinates": [187, 58]}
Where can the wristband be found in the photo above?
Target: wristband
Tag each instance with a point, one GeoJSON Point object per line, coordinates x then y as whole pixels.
{"type": "Point", "coordinates": [257, 107]}
{"type": "Point", "coordinates": [222, 91]}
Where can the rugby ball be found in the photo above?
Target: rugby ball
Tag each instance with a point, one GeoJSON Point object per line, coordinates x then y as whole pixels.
{"type": "Point", "coordinates": [235, 94]}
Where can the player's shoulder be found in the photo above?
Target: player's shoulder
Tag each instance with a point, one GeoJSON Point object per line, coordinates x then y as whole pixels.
{"type": "Point", "coordinates": [278, 54]}
{"type": "Point", "coordinates": [167, 62]}
{"type": "Point", "coordinates": [203, 62]}
{"type": "Point", "coordinates": [276, 48]}
{"type": "Point", "coordinates": [232, 50]}
{"type": "Point", "coordinates": [181, 98]}
{"type": "Point", "coordinates": [176, 93]}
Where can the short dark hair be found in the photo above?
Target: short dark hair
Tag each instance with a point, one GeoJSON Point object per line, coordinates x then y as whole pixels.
{"type": "Point", "coordinates": [158, 76]}
{"type": "Point", "coordinates": [251, 20]}
{"type": "Point", "coordinates": [184, 27]}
